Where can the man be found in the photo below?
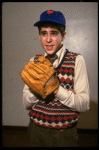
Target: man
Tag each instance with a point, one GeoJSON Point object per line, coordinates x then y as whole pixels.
{"type": "Point", "coordinates": [53, 120]}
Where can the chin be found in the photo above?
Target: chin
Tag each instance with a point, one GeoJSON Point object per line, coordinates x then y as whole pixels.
{"type": "Point", "coordinates": [50, 52]}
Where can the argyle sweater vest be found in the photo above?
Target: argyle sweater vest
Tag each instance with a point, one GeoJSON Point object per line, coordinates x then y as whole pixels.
{"type": "Point", "coordinates": [50, 112]}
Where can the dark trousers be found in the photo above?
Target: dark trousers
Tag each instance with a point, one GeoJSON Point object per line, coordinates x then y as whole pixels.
{"type": "Point", "coordinates": [46, 137]}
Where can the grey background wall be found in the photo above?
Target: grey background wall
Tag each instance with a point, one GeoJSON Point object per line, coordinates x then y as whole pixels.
{"type": "Point", "coordinates": [20, 41]}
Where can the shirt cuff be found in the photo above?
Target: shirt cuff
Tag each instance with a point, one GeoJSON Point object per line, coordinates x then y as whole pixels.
{"type": "Point", "coordinates": [66, 97]}
{"type": "Point", "coordinates": [62, 94]}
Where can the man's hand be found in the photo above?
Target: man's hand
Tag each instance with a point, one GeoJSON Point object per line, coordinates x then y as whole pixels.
{"type": "Point", "coordinates": [49, 81]}
{"type": "Point", "coordinates": [56, 91]}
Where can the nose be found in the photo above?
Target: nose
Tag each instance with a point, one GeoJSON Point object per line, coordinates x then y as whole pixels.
{"type": "Point", "coordinates": [49, 38]}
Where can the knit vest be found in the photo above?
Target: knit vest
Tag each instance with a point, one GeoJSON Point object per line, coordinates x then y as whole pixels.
{"type": "Point", "coordinates": [50, 112]}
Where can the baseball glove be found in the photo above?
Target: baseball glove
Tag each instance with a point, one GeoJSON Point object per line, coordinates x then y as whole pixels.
{"type": "Point", "coordinates": [40, 76]}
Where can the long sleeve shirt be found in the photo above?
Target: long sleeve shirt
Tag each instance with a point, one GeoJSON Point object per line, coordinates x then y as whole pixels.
{"type": "Point", "coordinates": [79, 99]}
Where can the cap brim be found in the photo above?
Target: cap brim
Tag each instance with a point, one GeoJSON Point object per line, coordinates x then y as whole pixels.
{"type": "Point", "coordinates": [45, 21]}
{"type": "Point", "coordinates": [37, 23]}
{"type": "Point", "coordinates": [41, 22]}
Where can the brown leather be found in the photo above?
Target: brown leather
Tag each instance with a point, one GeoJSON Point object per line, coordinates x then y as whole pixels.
{"type": "Point", "coordinates": [37, 73]}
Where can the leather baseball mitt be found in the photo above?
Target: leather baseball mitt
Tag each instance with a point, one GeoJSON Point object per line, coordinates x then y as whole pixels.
{"type": "Point", "coordinates": [40, 76]}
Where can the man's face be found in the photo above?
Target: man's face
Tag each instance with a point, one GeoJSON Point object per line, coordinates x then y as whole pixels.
{"type": "Point", "coordinates": [51, 39]}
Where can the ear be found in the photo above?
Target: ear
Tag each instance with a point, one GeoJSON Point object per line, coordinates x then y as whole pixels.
{"type": "Point", "coordinates": [63, 36]}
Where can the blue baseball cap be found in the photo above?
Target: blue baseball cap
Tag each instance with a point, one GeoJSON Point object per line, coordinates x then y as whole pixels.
{"type": "Point", "coordinates": [51, 16]}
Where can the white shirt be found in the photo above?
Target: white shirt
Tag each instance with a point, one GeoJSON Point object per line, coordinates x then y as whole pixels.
{"type": "Point", "coordinates": [79, 100]}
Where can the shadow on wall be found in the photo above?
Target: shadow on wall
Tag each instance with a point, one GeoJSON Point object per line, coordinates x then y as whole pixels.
{"type": "Point", "coordinates": [89, 119]}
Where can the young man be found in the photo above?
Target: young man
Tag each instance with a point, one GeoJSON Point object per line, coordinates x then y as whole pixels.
{"type": "Point", "coordinates": [53, 120]}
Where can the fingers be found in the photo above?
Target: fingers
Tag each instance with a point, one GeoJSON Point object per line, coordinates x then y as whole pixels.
{"type": "Point", "coordinates": [49, 81]}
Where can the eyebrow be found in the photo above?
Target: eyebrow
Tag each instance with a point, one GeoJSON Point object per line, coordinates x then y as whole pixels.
{"type": "Point", "coordinates": [54, 31]}
{"type": "Point", "coordinates": [50, 31]}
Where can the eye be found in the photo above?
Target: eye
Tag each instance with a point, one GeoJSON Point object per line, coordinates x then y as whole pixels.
{"type": "Point", "coordinates": [43, 33]}
{"type": "Point", "coordinates": [54, 33]}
